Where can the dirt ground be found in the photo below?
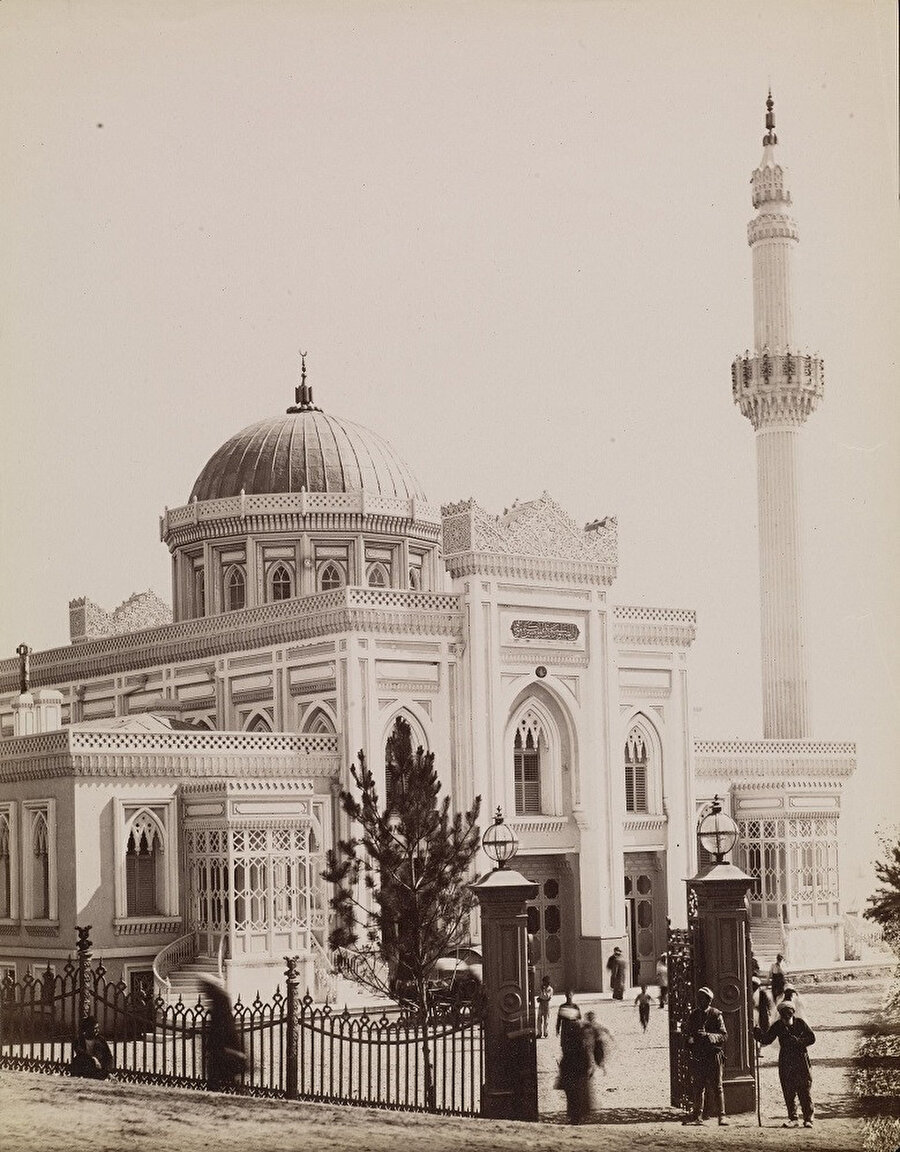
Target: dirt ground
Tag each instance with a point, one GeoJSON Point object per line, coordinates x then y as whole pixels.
{"type": "Point", "coordinates": [43, 1112]}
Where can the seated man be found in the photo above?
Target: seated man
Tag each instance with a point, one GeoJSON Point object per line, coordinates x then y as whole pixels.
{"type": "Point", "coordinates": [92, 1056]}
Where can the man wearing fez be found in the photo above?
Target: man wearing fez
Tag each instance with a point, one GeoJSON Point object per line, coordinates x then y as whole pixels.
{"type": "Point", "coordinates": [794, 1037]}
{"type": "Point", "coordinates": [706, 1036]}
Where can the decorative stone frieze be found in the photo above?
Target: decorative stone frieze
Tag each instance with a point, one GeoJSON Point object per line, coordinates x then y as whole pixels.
{"type": "Point", "coordinates": [379, 610]}
{"type": "Point", "coordinates": [147, 926]}
{"type": "Point", "coordinates": [771, 228]}
{"type": "Point", "coordinates": [666, 627]}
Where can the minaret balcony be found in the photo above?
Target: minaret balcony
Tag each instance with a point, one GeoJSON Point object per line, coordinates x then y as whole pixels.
{"type": "Point", "coordinates": [777, 387]}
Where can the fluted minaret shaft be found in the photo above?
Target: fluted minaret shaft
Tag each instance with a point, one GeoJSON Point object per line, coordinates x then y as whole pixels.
{"type": "Point", "coordinates": [777, 388]}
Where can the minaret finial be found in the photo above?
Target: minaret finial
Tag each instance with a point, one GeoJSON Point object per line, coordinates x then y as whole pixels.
{"type": "Point", "coordinates": [770, 137]}
{"type": "Point", "coordinates": [303, 399]}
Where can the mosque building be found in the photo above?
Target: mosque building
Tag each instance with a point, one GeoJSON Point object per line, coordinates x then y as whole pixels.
{"type": "Point", "coordinates": [171, 780]}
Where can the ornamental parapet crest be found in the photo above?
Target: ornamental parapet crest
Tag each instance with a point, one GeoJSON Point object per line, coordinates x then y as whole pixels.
{"type": "Point", "coordinates": [780, 387]}
{"type": "Point", "coordinates": [539, 530]}
{"type": "Point", "coordinates": [768, 185]}
{"type": "Point", "coordinates": [668, 627]}
{"type": "Point", "coordinates": [380, 610]}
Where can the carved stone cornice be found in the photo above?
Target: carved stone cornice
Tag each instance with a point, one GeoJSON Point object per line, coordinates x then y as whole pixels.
{"type": "Point", "coordinates": [658, 627]}
{"type": "Point", "coordinates": [147, 926]}
{"type": "Point", "coordinates": [535, 569]}
{"type": "Point", "coordinates": [547, 656]}
{"type": "Point", "coordinates": [313, 687]}
{"type": "Point", "coordinates": [379, 610]}
{"type": "Point", "coordinates": [405, 687]}
{"type": "Point", "coordinates": [777, 388]}
{"type": "Point", "coordinates": [647, 823]}
{"type": "Point", "coordinates": [772, 227]}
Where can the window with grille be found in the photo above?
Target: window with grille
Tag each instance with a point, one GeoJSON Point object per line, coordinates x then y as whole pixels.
{"type": "Point", "coordinates": [527, 764]}
{"type": "Point", "coordinates": [141, 871]}
{"type": "Point", "coordinates": [635, 772]}
{"type": "Point", "coordinates": [281, 583]}
{"type": "Point", "coordinates": [5, 868]}
{"type": "Point", "coordinates": [377, 576]}
{"type": "Point", "coordinates": [235, 590]}
{"type": "Point", "coordinates": [199, 592]}
{"type": "Point", "coordinates": [331, 577]}
{"type": "Point", "coordinates": [40, 868]}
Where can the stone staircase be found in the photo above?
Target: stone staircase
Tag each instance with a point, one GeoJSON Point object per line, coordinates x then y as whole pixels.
{"type": "Point", "coordinates": [185, 982]}
{"type": "Point", "coordinates": [766, 940]}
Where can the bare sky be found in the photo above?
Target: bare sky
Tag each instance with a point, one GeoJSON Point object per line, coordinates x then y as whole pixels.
{"type": "Point", "coordinates": [512, 237]}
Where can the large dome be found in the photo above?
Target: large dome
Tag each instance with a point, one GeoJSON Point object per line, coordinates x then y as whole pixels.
{"type": "Point", "coordinates": [305, 449]}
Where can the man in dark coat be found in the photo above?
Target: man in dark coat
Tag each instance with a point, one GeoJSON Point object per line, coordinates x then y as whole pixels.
{"type": "Point", "coordinates": [576, 1063]}
{"type": "Point", "coordinates": [225, 1057]}
{"type": "Point", "coordinates": [616, 967]}
{"type": "Point", "coordinates": [762, 1004]}
{"type": "Point", "coordinates": [91, 1055]}
{"type": "Point", "coordinates": [706, 1036]}
{"type": "Point", "coordinates": [794, 1037]}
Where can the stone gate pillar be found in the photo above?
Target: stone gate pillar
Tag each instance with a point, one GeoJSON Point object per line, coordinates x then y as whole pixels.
{"type": "Point", "coordinates": [509, 1091]}
{"type": "Point", "coordinates": [722, 963]}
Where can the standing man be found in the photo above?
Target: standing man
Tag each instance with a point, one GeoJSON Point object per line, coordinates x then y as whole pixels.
{"type": "Point", "coordinates": [762, 1004]}
{"type": "Point", "coordinates": [615, 965]}
{"type": "Point", "coordinates": [662, 979]}
{"type": "Point", "coordinates": [568, 1010]}
{"type": "Point", "coordinates": [706, 1038]}
{"type": "Point", "coordinates": [794, 1037]}
{"type": "Point", "coordinates": [777, 978]}
{"type": "Point", "coordinates": [544, 996]}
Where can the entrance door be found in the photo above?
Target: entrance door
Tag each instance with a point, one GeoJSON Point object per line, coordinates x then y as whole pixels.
{"type": "Point", "coordinates": [644, 914]}
{"type": "Point", "coordinates": [547, 921]}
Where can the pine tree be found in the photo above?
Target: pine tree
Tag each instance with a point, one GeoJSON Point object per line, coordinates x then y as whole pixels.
{"type": "Point", "coordinates": [401, 898]}
{"type": "Point", "coordinates": [884, 905]}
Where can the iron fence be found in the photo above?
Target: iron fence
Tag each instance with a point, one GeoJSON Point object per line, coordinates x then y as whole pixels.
{"type": "Point", "coordinates": [295, 1048]}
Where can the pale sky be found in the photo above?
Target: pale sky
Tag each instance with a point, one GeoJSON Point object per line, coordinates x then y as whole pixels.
{"type": "Point", "coordinates": [512, 237]}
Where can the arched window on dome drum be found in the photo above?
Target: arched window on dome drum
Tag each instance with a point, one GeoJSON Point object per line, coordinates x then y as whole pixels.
{"type": "Point", "coordinates": [143, 860]}
{"type": "Point", "coordinates": [235, 589]}
{"type": "Point", "coordinates": [281, 583]}
{"type": "Point", "coordinates": [331, 576]}
{"type": "Point", "coordinates": [635, 772]}
{"type": "Point", "coordinates": [527, 766]}
{"type": "Point", "coordinates": [199, 592]}
{"type": "Point", "coordinates": [377, 576]}
{"type": "Point", "coordinates": [40, 869]}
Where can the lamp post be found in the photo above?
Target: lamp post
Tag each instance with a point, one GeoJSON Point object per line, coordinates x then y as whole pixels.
{"type": "Point", "coordinates": [509, 1091]}
{"type": "Point", "coordinates": [722, 950]}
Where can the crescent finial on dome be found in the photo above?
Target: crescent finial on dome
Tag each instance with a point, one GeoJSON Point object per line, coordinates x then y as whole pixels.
{"type": "Point", "coordinates": [303, 397]}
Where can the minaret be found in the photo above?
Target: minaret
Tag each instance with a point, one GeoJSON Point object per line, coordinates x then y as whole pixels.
{"type": "Point", "coordinates": [776, 388]}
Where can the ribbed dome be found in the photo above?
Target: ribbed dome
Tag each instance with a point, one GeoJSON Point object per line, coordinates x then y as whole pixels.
{"type": "Point", "coordinates": [305, 450]}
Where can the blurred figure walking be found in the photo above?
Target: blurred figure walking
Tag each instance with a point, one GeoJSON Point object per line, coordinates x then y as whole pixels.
{"type": "Point", "coordinates": [643, 1006]}
{"type": "Point", "coordinates": [224, 1054]}
{"type": "Point", "coordinates": [662, 979]}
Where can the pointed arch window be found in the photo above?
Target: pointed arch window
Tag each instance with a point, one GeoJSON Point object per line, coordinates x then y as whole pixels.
{"type": "Point", "coordinates": [40, 868]}
{"type": "Point", "coordinates": [144, 868]}
{"type": "Point", "coordinates": [259, 723]}
{"type": "Point", "coordinates": [331, 576]}
{"type": "Point", "coordinates": [377, 576]}
{"type": "Point", "coordinates": [527, 767]}
{"type": "Point", "coordinates": [415, 579]}
{"type": "Point", "coordinates": [6, 858]}
{"type": "Point", "coordinates": [235, 589]}
{"type": "Point", "coordinates": [281, 583]}
{"type": "Point", "coordinates": [199, 591]}
{"type": "Point", "coordinates": [636, 770]}
{"type": "Point", "coordinates": [318, 721]}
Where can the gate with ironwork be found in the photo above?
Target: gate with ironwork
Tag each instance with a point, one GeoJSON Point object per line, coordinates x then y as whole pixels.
{"type": "Point", "coordinates": [295, 1048]}
{"type": "Point", "coordinates": [680, 963]}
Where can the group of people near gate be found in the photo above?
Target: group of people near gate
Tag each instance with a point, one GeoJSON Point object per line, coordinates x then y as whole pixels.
{"type": "Point", "coordinates": [776, 1016]}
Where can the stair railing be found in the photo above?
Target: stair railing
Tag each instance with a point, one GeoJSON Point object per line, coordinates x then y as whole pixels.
{"type": "Point", "coordinates": [179, 952]}
{"type": "Point", "coordinates": [324, 973]}
{"type": "Point", "coordinates": [220, 956]}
